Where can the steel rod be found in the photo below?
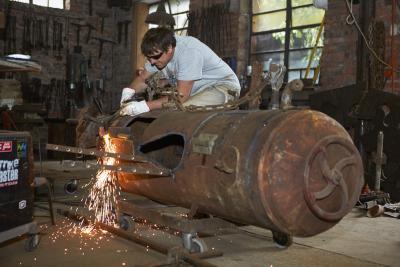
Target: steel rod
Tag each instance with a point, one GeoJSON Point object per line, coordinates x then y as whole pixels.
{"type": "Point", "coordinates": [195, 259]}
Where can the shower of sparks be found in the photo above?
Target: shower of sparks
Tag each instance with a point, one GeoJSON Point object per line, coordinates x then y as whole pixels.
{"type": "Point", "coordinates": [104, 190]}
{"type": "Point", "coordinates": [100, 206]}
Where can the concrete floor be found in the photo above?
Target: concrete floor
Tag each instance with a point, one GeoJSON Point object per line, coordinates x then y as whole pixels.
{"type": "Point", "coordinates": [355, 241]}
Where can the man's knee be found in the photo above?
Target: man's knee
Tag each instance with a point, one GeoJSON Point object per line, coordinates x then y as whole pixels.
{"type": "Point", "coordinates": [213, 95]}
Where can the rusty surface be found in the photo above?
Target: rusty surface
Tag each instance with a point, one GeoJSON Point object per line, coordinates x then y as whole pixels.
{"type": "Point", "coordinates": [293, 171]}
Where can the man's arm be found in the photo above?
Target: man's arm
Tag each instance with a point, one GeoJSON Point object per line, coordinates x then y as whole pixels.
{"type": "Point", "coordinates": [184, 88]}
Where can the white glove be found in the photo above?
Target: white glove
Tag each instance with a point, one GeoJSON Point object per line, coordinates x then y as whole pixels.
{"type": "Point", "coordinates": [127, 94]}
{"type": "Point", "coordinates": [134, 108]}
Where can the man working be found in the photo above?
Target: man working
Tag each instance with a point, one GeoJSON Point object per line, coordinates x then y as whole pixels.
{"type": "Point", "coordinates": [200, 76]}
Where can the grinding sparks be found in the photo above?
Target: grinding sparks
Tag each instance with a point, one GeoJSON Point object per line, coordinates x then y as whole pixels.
{"type": "Point", "coordinates": [103, 193]}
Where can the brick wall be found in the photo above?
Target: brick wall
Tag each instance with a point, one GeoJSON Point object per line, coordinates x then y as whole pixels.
{"type": "Point", "coordinates": [222, 29]}
{"type": "Point", "coordinates": [115, 64]}
{"type": "Point", "coordinates": [384, 13]}
{"type": "Point", "coordinates": [339, 58]}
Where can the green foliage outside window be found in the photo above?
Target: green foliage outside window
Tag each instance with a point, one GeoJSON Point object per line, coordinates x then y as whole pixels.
{"type": "Point", "coordinates": [273, 24]}
{"type": "Point", "coordinates": [270, 5]}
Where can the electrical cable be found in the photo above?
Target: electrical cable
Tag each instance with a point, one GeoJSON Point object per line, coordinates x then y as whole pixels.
{"type": "Point", "coordinates": [351, 19]}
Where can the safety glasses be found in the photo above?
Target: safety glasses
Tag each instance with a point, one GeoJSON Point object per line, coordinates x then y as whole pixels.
{"type": "Point", "coordinates": [155, 57]}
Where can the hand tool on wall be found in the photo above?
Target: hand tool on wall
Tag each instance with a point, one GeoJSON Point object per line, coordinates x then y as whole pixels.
{"type": "Point", "coordinates": [90, 29]}
{"type": "Point", "coordinates": [10, 35]}
{"type": "Point", "coordinates": [103, 16]}
{"type": "Point", "coordinates": [120, 26]}
{"type": "Point", "coordinates": [90, 7]}
{"type": "Point", "coordinates": [39, 40]}
{"type": "Point", "coordinates": [57, 39]}
{"type": "Point", "coordinates": [33, 32]}
{"type": "Point", "coordinates": [46, 41]}
{"type": "Point", "coordinates": [26, 36]}
{"type": "Point", "coordinates": [60, 42]}
{"type": "Point", "coordinates": [78, 34]}
{"type": "Point", "coordinates": [5, 32]}
{"type": "Point", "coordinates": [101, 43]}
{"type": "Point", "coordinates": [126, 34]}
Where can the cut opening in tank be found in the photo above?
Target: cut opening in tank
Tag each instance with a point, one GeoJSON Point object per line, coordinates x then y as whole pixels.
{"type": "Point", "coordinates": [166, 150]}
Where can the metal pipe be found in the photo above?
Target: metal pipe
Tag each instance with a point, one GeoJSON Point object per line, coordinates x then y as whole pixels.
{"type": "Point", "coordinates": [379, 161]}
{"type": "Point", "coordinates": [287, 93]}
{"type": "Point", "coordinates": [194, 259]}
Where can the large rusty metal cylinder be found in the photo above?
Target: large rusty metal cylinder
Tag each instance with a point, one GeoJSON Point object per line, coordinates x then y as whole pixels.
{"type": "Point", "coordinates": [294, 171]}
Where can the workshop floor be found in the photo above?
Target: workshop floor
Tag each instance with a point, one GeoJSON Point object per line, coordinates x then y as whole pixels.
{"type": "Point", "coordinates": [355, 241]}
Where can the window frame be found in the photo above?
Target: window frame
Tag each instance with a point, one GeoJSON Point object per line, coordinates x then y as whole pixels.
{"type": "Point", "coordinates": [48, 2]}
{"type": "Point", "coordinates": [287, 29]}
{"type": "Point", "coordinates": [186, 25]}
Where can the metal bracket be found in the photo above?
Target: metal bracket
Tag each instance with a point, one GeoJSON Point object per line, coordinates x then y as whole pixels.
{"type": "Point", "coordinates": [204, 143]}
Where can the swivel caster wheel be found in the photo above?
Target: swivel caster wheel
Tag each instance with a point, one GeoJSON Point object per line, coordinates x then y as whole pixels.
{"type": "Point", "coordinates": [32, 242]}
{"type": "Point", "coordinates": [126, 223]}
{"type": "Point", "coordinates": [282, 240]}
{"type": "Point", "coordinates": [193, 243]}
{"type": "Point", "coordinates": [71, 187]}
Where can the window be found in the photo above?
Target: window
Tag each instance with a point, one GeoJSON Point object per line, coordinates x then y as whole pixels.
{"type": "Point", "coordinates": [61, 4]}
{"type": "Point", "coordinates": [286, 32]}
{"type": "Point", "coordinates": [179, 10]}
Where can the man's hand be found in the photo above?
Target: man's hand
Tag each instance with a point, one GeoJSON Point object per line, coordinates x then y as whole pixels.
{"type": "Point", "coordinates": [134, 108]}
{"type": "Point", "coordinates": [127, 94]}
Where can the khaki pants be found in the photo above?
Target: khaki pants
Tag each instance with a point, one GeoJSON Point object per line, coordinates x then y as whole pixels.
{"type": "Point", "coordinates": [214, 95]}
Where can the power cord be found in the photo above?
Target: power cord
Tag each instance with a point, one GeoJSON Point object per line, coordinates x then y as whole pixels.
{"type": "Point", "coordinates": [351, 19]}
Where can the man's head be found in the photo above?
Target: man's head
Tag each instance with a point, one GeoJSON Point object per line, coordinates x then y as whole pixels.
{"type": "Point", "coordinates": [158, 46]}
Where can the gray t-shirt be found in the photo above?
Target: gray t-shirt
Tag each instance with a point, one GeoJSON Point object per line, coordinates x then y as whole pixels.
{"type": "Point", "coordinates": [194, 61]}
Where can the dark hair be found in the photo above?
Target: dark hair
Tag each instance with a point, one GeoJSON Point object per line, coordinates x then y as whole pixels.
{"type": "Point", "coordinates": [157, 39]}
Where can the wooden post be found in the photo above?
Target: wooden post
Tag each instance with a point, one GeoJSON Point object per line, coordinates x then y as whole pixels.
{"type": "Point", "coordinates": [139, 28]}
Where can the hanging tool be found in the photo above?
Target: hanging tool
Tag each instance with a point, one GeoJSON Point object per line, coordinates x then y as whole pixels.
{"type": "Point", "coordinates": [101, 43]}
{"type": "Point", "coordinates": [123, 27]}
{"type": "Point", "coordinates": [78, 35]}
{"type": "Point", "coordinates": [39, 40]}
{"type": "Point", "coordinates": [26, 36]}
{"type": "Point", "coordinates": [10, 35]}
{"type": "Point", "coordinates": [90, 29]}
{"type": "Point", "coordinates": [103, 16]}
{"type": "Point", "coordinates": [46, 41]}
{"type": "Point", "coordinates": [126, 26]}
{"type": "Point", "coordinates": [90, 7]}
{"type": "Point", "coordinates": [57, 38]}
{"type": "Point", "coordinates": [120, 26]}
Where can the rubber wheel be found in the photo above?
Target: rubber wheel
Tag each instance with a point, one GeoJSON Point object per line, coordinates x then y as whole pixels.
{"type": "Point", "coordinates": [198, 245]}
{"type": "Point", "coordinates": [282, 240]}
{"type": "Point", "coordinates": [125, 223]}
{"type": "Point", "coordinates": [71, 187]}
{"type": "Point", "coordinates": [32, 242]}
